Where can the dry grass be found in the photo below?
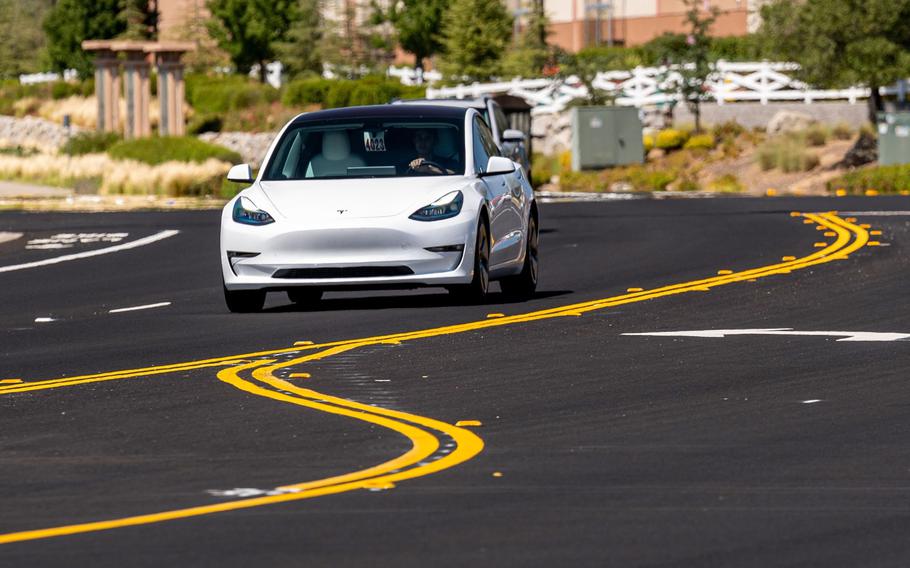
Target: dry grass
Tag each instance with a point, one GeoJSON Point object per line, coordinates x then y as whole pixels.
{"type": "Point", "coordinates": [83, 111]}
{"type": "Point", "coordinates": [117, 177]}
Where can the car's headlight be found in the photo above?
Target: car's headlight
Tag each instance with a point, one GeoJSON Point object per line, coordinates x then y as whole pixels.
{"type": "Point", "coordinates": [246, 212]}
{"type": "Point", "coordinates": [445, 207]}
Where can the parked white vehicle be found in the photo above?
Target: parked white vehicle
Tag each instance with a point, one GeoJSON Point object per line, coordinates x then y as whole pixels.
{"type": "Point", "coordinates": [380, 197]}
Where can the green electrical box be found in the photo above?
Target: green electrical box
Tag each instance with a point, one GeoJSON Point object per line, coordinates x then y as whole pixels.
{"type": "Point", "coordinates": [893, 138]}
{"type": "Point", "coordinates": [605, 136]}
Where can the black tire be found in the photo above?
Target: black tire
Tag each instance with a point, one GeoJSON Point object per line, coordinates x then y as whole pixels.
{"type": "Point", "coordinates": [304, 296]}
{"type": "Point", "coordinates": [244, 301]}
{"type": "Point", "coordinates": [524, 284]}
{"type": "Point", "coordinates": [476, 291]}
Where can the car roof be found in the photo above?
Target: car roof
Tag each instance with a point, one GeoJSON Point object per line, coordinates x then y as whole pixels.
{"type": "Point", "coordinates": [383, 111]}
{"type": "Point", "coordinates": [451, 103]}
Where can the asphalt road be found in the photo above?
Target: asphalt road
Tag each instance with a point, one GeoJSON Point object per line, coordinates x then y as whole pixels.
{"type": "Point", "coordinates": [506, 434]}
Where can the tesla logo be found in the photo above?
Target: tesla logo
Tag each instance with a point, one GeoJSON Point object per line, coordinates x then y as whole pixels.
{"type": "Point", "coordinates": [342, 211]}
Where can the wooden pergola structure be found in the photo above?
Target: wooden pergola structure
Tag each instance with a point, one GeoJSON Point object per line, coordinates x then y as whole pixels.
{"type": "Point", "coordinates": [136, 59]}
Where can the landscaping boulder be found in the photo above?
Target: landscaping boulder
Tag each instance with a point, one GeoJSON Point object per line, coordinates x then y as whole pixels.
{"type": "Point", "coordinates": [789, 121]}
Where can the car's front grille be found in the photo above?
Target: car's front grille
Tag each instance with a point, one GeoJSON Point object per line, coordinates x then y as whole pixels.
{"type": "Point", "coordinates": [343, 272]}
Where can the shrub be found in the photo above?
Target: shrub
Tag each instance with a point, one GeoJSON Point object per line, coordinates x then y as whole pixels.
{"type": "Point", "coordinates": [302, 92]}
{"type": "Point", "coordinates": [670, 139]}
{"type": "Point", "coordinates": [205, 123]}
{"type": "Point", "coordinates": [90, 143]}
{"type": "Point", "coordinates": [787, 154]}
{"type": "Point", "coordinates": [727, 183]}
{"type": "Point", "coordinates": [883, 179]}
{"type": "Point", "coordinates": [222, 94]}
{"type": "Point", "coordinates": [729, 130]}
{"type": "Point", "coordinates": [648, 141]}
{"type": "Point", "coordinates": [700, 142]}
{"type": "Point", "coordinates": [155, 151]}
{"type": "Point", "coordinates": [817, 135]}
{"type": "Point", "coordinates": [649, 180]}
{"type": "Point", "coordinates": [543, 168]}
{"type": "Point", "coordinates": [842, 131]}
{"type": "Point", "coordinates": [339, 94]}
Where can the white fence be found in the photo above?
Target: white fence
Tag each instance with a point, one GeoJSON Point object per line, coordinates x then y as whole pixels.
{"type": "Point", "coordinates": [643, 86]}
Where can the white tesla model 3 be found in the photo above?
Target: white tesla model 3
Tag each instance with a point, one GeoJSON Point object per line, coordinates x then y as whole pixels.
{"type": "Point", "coordinates": [380, 197]}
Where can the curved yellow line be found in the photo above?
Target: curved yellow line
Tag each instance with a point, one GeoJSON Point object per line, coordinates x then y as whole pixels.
{"type": "Point", "coordinates": [424, 444]}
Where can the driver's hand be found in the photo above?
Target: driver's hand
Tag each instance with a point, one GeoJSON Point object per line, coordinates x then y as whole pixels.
{"type": "Point", "coordinates": [416, 163]}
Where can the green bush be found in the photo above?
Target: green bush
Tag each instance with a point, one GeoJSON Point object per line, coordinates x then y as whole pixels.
{"type": "Point", "coordinates": [817, 135]}
{"type": "Point", "coordinates": [205, 123]}
{"type": "Point", "coordinates": [302, 92]}
{"type": "Point", "coordinates": [787, 154]}
{"type": "Point", "coordinates": [155, 151]}
{"type": "Point", "coordinates": [649, 180]}
{"type": "Point", "coordinates": [223, 94]}
{"type": "Point", "coordinates": [543, 168]}
{"type": "Point", "coordinates": [700, 142]}
{"type": "Point", "coordinates": [882, 179]}
{"type": "Point", "coordinates": [727, 183]}
{"type": "Point", "coordinates": [729, 130]}
{"type": "Point", "coordinates": [90, 143]}
{"type": "Point", "coordinates": [670, 139]}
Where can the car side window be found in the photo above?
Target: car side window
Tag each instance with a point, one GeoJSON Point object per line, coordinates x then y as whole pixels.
{"type": "Point", "coordinates": [481, 154]}
{"type": "Point", "coordinates": [489, 143]}
{"type": "Point", "coordinates": [502, 123]}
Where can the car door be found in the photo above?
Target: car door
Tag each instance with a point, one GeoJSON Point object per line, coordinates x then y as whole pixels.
{"type": "Point", "coordinates": [505, 219]}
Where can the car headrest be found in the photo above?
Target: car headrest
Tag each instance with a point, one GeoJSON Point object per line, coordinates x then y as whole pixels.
{"type": "Point", "coordinates": [335, 145]}
{"type": "Point", "coordinates": [445, 143]}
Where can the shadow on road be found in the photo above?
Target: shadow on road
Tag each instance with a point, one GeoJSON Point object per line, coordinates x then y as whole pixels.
{"type": "Point", "coordinates": [443, 299]}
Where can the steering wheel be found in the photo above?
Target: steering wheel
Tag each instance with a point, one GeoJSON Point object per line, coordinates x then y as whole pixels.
{"type": "Point", "coordinates": [427, 163]}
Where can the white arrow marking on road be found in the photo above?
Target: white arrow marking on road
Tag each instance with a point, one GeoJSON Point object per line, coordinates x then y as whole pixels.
{"type": "Point", "coordinates": [844, 335]}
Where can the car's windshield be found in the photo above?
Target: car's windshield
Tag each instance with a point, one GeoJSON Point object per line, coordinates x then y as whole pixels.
{"type": "Point", "coordinates": [369, 148]}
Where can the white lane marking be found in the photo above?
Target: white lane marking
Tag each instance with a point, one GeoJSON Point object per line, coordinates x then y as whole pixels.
{"type": "Point", "coordinates": [812, 401]}
{"type": "Point", "coordinates": [80, 255]}
{"type": "Point", "coordinates": [875, 213]}
{"type": "Point", "coordinates": [250, 492]}
{"type": "Point", "coordinates": [134, 308]}
{"type": "Point", "coordinates": [5, 237]}
{"type": "Point", "coordinates": [44, 320]}
{"type": "Point", "coordinates": [844, 335]}
{"type": "Point", "coordinates": [68, 240]}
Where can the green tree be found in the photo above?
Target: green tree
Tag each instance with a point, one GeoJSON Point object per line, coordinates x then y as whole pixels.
{"type": "Point", "coordinates": [141, 17]}
{"type": "Point", "coordinates": [300, 52]}
{"type": "Point", "coordinates": [22, 42]}
{"type": "Point", "coordinates": [694, 60]}
{"type": "Point", "coordinates": [476, 35]}
{"type": "Point", "coordinates": [250, 30]}
{"type": "Point", "coordinates": [532, 53]}
{"type": "Point", "coordinates": [417, 25]}
{"type": "Point", "coordinates": [840, 43]}
{"type": "Point", "coordinates": [70, 22]}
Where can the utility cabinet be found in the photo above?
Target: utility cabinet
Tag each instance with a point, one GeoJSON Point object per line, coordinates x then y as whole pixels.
{"type": "Point", "coordinates": [893, 138]}
{"type": "Point", "coordinates": [604, 136]}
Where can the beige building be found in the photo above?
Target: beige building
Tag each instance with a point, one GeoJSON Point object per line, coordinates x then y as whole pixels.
{"type": "Point", "coordinates": [576, 24]}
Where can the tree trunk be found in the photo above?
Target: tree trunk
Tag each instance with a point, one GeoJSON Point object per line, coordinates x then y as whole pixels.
{"type": "Point", "coordinates": [263, 72]}
{"type": "Point", "coordinates": [876, 105]}
{"type": "Point", "coordinates": [696, 111]}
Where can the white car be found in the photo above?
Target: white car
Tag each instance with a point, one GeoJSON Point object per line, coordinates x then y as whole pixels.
{"type": "Point", "coordinates": [380, 197]}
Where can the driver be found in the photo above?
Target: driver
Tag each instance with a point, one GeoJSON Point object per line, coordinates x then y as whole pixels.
{"type": "Point", "coordinates": [427, 162]}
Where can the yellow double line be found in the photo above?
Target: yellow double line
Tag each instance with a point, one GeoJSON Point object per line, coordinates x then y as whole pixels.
{"type": "Point", "coordinates": [424, 433]}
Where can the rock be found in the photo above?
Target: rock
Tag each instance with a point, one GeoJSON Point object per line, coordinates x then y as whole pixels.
{"type": "Point", "coordinates": [251, 146]}
{"type": "Point", "coordinates": [789, 121]}
{"type": "Point", "coordinates": [656, 154]}
{"type": "Point", "coordinates": [33, 132]}
{"type": "Point", "coordinates": [864, 151]}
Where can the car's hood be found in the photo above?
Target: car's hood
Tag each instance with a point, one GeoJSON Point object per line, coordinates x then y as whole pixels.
{"type": "Point", "coordinates": [356, 198]}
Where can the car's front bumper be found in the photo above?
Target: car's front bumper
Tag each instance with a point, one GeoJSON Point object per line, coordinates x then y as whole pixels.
{"type": "Point", "coordinates": [351, 246]}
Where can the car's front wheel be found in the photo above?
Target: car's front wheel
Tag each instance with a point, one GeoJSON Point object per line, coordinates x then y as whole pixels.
{"type": "Point", "coordinates": [244, 301]}
{"type": "Point", "coordinates": [524, 284]}
{"type": "Point", "coordinates": [476, 291]}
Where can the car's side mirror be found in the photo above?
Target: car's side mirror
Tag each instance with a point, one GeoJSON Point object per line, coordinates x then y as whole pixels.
{"type": "Point", "coordinates": [499, 165]}
{"type": "Point", "coordinates": [513, 135]}
{"type": "Point", "coordinates": [241, 173]}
